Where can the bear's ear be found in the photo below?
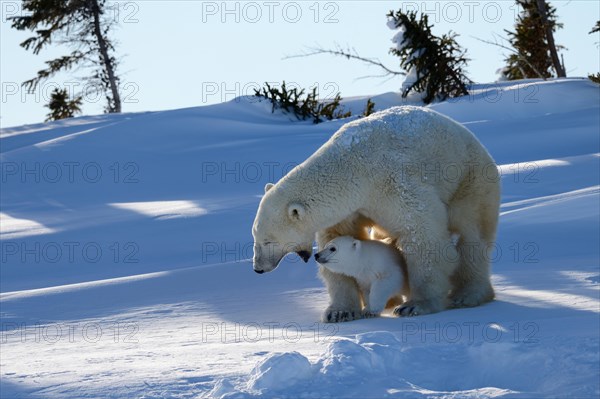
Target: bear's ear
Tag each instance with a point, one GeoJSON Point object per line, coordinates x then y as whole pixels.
{"type": "Point", "coordinates": [268, 186]}
{"type": "Point", "coordinates": [296, 211]}
{"type": "Point", "coordinates": [355, 244]}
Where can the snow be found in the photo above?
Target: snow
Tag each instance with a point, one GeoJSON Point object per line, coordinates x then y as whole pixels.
{"type": "Point", "coordinates": [279, 372]}
{"type": "Point", "coordinates": [399, 41]}
{"type": "Point", "coordinates": [15, 228]}
{"type": "Point", "coordinates": [411, 78]}
{"type": "Point", "coordinates": [126, 272]}
{"type": "Point", "coordinates": [163, 209]}
{"type": "Point", "coordinates": [398, 38]}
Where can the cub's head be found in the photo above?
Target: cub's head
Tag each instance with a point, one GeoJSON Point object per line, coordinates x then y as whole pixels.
{"type": "Point", "coordinates": [336, 253]}
{"type": "Point", "coordinates": [282, 225]}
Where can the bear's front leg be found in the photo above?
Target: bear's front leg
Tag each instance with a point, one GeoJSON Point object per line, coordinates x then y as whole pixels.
{"type": "Point", "coordinates": [381, 291]}
{"type": "Point", "coordinates": [344, 297]}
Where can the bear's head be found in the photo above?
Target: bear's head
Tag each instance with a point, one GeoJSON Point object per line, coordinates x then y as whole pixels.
{"type": "Point", "coordinates": [336, 252]}
{"type": "Point", "coordinates": [282, 226]}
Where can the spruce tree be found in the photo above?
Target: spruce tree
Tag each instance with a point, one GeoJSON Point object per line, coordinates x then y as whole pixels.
{"type": "Point", "coordinates": [83, 26]}
{"type": "Point", "coordinates": [435, 64]}
{"type": "Point", "coordinates": [535, 52]}
{"type": "Point", "coordinates": [61, 106]}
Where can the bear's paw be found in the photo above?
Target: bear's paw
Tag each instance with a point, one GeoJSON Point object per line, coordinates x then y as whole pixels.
{"type": "Point", "coordinates": [333, 315]}
{"type": "Point", "coordinates": [473, 297]}
{"type": "Point", "coordinates": [369, 314]}
{"type": "Point", "coordinates": [415, 308]}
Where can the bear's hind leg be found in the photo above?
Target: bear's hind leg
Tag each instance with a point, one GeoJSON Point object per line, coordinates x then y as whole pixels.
{"type": "Point", "coordinates": [430, 259]}
{"type": "Point", "coordinates": [471, 281]}
{"type": "Point", "coordinates": [475, 218]}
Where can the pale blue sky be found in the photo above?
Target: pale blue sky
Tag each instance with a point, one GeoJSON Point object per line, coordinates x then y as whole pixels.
{"type": "Point", "coordinates": [188, 53]}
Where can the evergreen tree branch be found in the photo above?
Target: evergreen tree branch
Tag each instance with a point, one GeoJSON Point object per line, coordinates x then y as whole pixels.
{"type": "Point", "coordinates": [54, 66]}
{"type": "Point", "coordinates": [348, 54]}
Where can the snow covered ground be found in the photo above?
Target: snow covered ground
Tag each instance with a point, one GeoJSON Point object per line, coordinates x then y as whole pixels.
{"type": "Point", "coordinates": [126, 245]}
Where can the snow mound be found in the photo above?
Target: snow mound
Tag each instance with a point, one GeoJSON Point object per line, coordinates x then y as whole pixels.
{"type": "Point", "coordinates": [279, 371]}
{"type": "Point", "coordinates": [346, 359]}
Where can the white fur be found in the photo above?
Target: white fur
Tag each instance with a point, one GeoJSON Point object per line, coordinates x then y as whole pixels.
{"type": "Point", "coordinates": [376, 267]}
{"type": "Point", "coordinates": [414, 175]}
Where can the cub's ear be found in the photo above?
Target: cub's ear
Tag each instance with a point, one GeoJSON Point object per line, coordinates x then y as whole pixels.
{"type": "Point", "coordinates": [355, 244]}
{"type": "Point", "coordinates": [268, 186]}
{"type": "Point", "coordinates": [296, 211]}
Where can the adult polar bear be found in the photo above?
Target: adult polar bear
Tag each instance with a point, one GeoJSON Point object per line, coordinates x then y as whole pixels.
{"type": "Point", "coordinates": [414, 175]}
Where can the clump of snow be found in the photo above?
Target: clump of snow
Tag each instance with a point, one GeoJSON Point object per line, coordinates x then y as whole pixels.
{"type": "Point", "coordinates": [399, 38]}
{"type": "Point", "coordinates": [410, 79]}
{"type": "Point", "coordinates": [345, 359]}
{"type": "Point", "coordinates": [279, 371]}
{"type": "Point", "coordinates": [400, 42]}
{"type": "Point", "coordinates": [222, 389]}
{"type": "Point", "coordinates": [391, 23]}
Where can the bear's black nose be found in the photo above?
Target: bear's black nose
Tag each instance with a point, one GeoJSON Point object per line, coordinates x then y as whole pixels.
{"type": "Point", "coordinates": [317, 257]}
{"type": "Point", "coordinates": [259, 271]}
{"type": "Point", "coordinates": [305, 255]}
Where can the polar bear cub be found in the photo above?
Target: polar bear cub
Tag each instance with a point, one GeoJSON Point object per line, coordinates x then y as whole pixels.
{"type": "Point", "coordinates": [378, 268]}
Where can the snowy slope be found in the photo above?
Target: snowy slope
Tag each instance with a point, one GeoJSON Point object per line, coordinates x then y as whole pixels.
{"type": "Point", "coordinates": [125, 270]}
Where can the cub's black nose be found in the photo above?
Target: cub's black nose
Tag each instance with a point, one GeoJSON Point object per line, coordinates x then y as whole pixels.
{"type": "Point", "coordinates": [259, 271]}
{"type": "Point", "coordinates": [317, 257]}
